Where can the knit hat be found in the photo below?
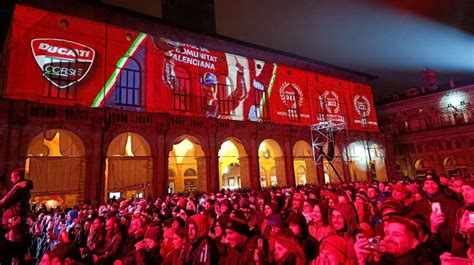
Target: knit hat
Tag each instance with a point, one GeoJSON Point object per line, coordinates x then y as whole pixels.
{"type": "Point", "coordinates": [181, 232]}
{"type": "Point", "coordinates": [275, 220]}
{"type": "Point", "coordinates": [181, 203]}
{"type": "Point", "coordinates": [433, 177]}
{"type": "Point", "coordinates": [336, 245]}
{"type": "Point", "coordinates": [238, 224]}
{"type": "Point", "coordinates": [393, 204]}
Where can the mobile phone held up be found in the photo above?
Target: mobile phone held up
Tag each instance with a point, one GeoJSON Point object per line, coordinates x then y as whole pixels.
{"type": "Point", "coordinates": [436, 207]}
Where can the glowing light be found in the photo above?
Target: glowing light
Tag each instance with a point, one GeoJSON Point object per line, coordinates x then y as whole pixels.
{"type": "Point", "coordinates": [182, 148]}
{"type": "Point", "coordinates": [128, 146]}
{"type": "Point", "coordinates": [454, 99]}
{"type": "Point", "coordinates": [358, 152]}
{"type": "Point", "coordinates": [53, 145]}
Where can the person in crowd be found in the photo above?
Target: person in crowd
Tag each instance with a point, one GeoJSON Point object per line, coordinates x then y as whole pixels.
{"type": "Point", "coordinates": [241, 246]}
{"type": "Point", "coordinates": [287, 250]}
{"type": "Point", "coordinates": [113, 242]}
{"type": "Point", "coordinates": [15, 205]}
{"type": "Point", "coordinates": [319, 225]}
{"type": "Point", "coordinates": [202, 247]}
{"type": "Point", "coordinates": [332, 251]}
{"type": "Point", "coordinates": [299, 227]}
{"type": "Point", "coordinates": [441, 216]}
{"type": "Point", "coordinates": [398, 246]}
{"type": "Point", "coordinates": [343, 221]}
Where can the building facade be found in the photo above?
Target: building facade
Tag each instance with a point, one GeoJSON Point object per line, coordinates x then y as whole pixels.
{"type": "Point", "coordinates": [431, 128]}
{"type": "Point", "coordinates": [96, 109]}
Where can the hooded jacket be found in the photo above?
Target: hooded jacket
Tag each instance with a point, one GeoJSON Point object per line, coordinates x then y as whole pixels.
{"type": "Point", "coordinates": [203, 250]}
{"type": "Point", "coordinates": [349, 234]}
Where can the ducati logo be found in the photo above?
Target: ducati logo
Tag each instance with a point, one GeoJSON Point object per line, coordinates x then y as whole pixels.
{"type": "Point", "coordinates": [62, 62]}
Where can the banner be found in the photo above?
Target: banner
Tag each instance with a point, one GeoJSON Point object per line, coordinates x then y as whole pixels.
{"type": "Point", "coordinates": [74, 61]}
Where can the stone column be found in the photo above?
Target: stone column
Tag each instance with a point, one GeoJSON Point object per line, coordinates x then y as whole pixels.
{"type": "Point", "coordinates": [160, 166]}
{"type": "Point", "coordinates": [95, 169]}
{"type": "Point", "coordinates": [202, 178]}
{"type": "Point", "coordinates": [280, 171]}
{"type": "Point", "coordinates": [312, 175]}
{"type": "Point", "coordinates": [244, 172]}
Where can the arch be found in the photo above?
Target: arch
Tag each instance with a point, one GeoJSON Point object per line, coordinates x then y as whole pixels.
{"type": "Point", "coordinates": [449, 162]}
{"type": "Point", "coordinates": [56, 163]}
{"type": "Point", "coordinates": [303, 158]}
{"type": "Point", "coordinates": [128, 166]}
{"type": "Point", "coordinates": [365, 156]}
{"type": "Point", "coordinates": [233, 165]}
{"type": "Point", "coordinates": [271, 158]}
{"type": "Point", "coordinates": [186, 157]}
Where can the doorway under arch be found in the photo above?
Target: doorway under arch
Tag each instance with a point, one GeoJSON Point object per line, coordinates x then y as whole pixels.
{"type": "Point", "coordinates": [270, 158]}
{"type": "Point", "coordinates": [303, 163]}
{"type": "Point", "coordinates": [56, 164]}
{"type": "Point", "coordinates": [188, 161]}
{"type": "Point", "coordinates": [233, 165]}
{"type": "Point", "coordinates": [128, 167]}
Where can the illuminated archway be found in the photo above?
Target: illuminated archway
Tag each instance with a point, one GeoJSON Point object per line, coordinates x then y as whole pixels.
{"type": "Point", "coordinates": [233, 165]}
{"type": "Point", "coordinates": [303, 163]}
{"type": "Point", "coordinates": [188, 161]}
{"type": "Point", "coordinates": [56, 164]}
{"type": "Point", "coordinates": [423, 166]}
{"type": "Point", "coordinates": [270, 158]}
{"type": "Point", "coordinates": [128, 167]}
{"type": "Point", "coordinates": [364, 156]}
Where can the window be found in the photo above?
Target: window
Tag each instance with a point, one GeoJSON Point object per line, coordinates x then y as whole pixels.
{"type": "Point", "coordinates": [190, 172]}
{"type": "Point", "coordinates": [419, 148]}
{"type": "Point", "coordinates": [458, 144]}
{"type": "Point", "coordinates": [412, 148]}
{"type": "Point", "coordinates": [440, 146]}
{"type": "Point", "coordinates": [62, 85]}
{"type": "Point", "coordinates": [261, 102]}
{"type": "Point", "coordinates": [180, 84]}
{"type": "Point", "coordinates": [128, 87]}
{"type": "Point", "coordinates": [449, 145]}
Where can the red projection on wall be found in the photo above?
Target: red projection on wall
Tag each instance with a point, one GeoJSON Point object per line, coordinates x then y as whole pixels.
{"type": "Point", "coordinates": [58, 59]}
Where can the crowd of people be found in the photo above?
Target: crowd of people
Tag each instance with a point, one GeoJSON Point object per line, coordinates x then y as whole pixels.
{"type": "Point", "coordinates": [423, 221]}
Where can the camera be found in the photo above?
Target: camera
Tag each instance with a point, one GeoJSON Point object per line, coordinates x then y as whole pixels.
{"type": "Point", "coordinates": [374, 243]}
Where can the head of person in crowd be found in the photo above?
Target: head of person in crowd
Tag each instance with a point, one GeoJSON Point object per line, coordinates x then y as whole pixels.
{"type": "Point", "coordinates": [400, 236]}
{"type": "Point", "coordinates": [112, 225]}
{"type": "Point", "coordinates": [191, 206]}
{"type": "Point", "coordinates": [391, 207]}
{"type": "Point", "coordinates": [210, 204]}
{"type": "Point", "coordinates": [308, 209]}
{"type": "Point", "coordinates": [197, 227]}
{"type": "Point", "coordinates": [297, 203]}
{"type": "Point", "coordinates": [456, 185]}
{"type": "Point", "coordinates": [275, 222]}
{"type": "Point", "coordinates": [17, 175]}
{"type": "Point", "coordinates": [287, 250]}
{"type": "Point", "coordinates": [237, 231]}
{"type": "Point", "coordinates": [320, 213]}
{"type": "Point", "coordinates": [298, 225]}
{"type": "Point", "coordinates": [136, 228]}
{"type": "Point", "coordinates": [225, 207]}
{"type": "Point", "coordinates": [342, 218]}
{"type": "Point", "coordinates": [219, 228]}
{"type": "Point", "coordinates": [98, 223]}
{"type": "Point", "coordinates": [342, 198]}
{"type": "Point", "coordinates": [332, 251]}
{"type": "Point", "coordinates": [179, 238]}
{"type": "Point", "coordinates": [381, 186]}
{"type": "Point", "coordinates": [467, 189]}
{"type": "Point", "coordinates": [431, 185]}
{"type": "Point", "coordinates": [399, 192]}
{"type": "Point", "coordinates": [269, 209]}
{"type": "Point", "coordinates": [421, 226]}
{"type": "Point", "coordinates": [360, 199]}
{"type": "Point", "coordinates": [166, 245]}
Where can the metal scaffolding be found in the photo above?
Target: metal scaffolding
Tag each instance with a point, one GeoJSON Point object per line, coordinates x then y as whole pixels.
{"type": "Point", "coordinates": [322, 135]}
